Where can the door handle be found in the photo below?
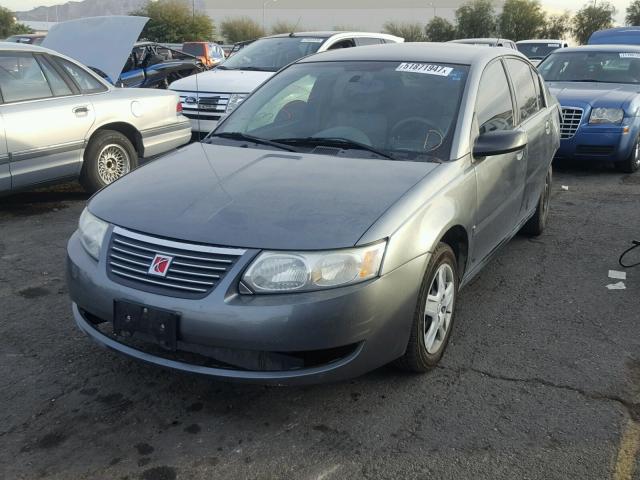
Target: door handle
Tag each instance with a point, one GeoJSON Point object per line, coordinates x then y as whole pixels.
{"type": "Point", "coordinates": [520, 155]}
{"type": "Point", "coordinates": [81, 111]}
{"type": "Point", "coordinates": [547, 127]}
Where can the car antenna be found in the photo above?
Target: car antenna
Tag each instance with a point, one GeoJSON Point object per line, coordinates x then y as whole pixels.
{"type": "Point", "coordinates": [295, 27]}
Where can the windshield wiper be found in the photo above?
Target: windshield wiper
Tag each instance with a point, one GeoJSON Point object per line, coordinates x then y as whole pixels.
{"type": "Point", "coordinates": [258, 69]}
{"type": "Point", "coordinates": [335, 142]}
{"type": "Point", "coordinates": [251, 138]}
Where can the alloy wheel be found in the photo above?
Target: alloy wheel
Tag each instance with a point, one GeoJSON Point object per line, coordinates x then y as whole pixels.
{"type": "Point", "coordinates": [113, 163]}
{"type": "Point", "coordinates": [438, 310]}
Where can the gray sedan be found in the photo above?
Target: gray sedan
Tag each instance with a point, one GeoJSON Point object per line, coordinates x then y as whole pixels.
{"type": "Point", "coordinates": [326, 226]}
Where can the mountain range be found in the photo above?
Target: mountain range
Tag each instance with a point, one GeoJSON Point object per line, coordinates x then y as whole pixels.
{"type": "Point", "coordinates": [86, 8]}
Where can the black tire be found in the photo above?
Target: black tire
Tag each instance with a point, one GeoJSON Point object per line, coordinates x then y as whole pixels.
{"type": "Point", "coordinates": [416, 357]}
{"type": "Point", "coordinates": [632, 163]}
{"type": "Point", "coordinates": [90, 177]}
{"type": "Point", "coordinates": [536, 224]}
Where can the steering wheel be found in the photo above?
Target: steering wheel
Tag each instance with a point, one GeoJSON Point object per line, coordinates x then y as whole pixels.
{"type": "Point", "coordinates": [431, 133]}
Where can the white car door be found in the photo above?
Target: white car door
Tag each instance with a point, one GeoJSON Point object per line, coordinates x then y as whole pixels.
{"type": "Point", "coordinates": [46, 119]}
{"type": "Point", "coordinates": [5, 172]}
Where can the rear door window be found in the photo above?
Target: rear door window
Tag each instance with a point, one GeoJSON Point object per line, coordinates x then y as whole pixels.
{"type": "Point", "coordinates": [21, 78]}
{"type": "Point", "coordinates": [526, 95]}
{"type": "Point", "coordinates": [85, 81]}
{"type": "Point", "coordinates": [494, 108]}
{"type": "Point", "coordinates": [362, 41]}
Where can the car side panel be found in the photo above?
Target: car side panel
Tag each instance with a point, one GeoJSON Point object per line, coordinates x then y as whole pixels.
{"type": "Point", "coordinates": [5, 171]}
{"type": "Point", "coordinates": [46, 138]}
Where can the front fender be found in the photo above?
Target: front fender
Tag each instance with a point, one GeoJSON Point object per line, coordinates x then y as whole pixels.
{"type": "Point", "coordinates": [446, 198]}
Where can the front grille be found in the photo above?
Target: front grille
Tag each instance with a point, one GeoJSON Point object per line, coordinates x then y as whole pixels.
{"type": "Point", "coordinates": [212, 103]}
{"type": "Point", "coordinates": [194, 270]}
{"type": "Point", "coordinates": [571, 118]}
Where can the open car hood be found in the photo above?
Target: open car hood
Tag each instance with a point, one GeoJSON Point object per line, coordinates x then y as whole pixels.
{"type": "Point", "coordinates": [104, 43]}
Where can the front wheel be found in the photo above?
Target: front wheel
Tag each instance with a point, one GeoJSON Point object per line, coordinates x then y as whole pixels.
{"type": "Point", "coordinates": [632, 163]}
{"type": "Point", "coordinates": [434, 315]}
{"type": "Point", "coordinates": [109, 156]}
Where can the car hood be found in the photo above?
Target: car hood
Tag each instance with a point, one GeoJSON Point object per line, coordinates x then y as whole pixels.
{"type": "Point", "coordinates": [602, 94]}
{"type": "Point", "coordinates": [219, 80]}
{"type": "Point", "coordinates": [104, 43]}
{"type": "Point", "coordinates": [254, 198]}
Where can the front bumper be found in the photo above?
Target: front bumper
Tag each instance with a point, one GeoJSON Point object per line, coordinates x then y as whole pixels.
{"type": "Point", "coordinates": [373, 319]}
{"type": "Point", "coordinates": [612, 143]}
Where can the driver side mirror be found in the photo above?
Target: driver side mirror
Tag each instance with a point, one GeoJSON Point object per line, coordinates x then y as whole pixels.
{"type": "Point", "coordinates": [499, 142]}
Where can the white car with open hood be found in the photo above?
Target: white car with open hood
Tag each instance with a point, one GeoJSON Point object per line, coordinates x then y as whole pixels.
{"type": "Point", "coordinates": [60, 120]}
{"type": "Point", "coordinates": [207, 96]}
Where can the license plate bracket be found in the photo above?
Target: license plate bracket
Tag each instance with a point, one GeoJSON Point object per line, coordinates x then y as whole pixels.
{"type": "Point", "coordinates": [160, 326]}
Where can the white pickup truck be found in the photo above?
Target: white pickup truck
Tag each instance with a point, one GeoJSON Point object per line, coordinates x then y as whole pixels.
{"type": "Point", "coordinates": [207, 96]}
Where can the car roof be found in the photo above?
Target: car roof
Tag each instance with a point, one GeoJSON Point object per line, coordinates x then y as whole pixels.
{"type": "Point", "coordinates": [541, 40]}
{"type": "Point", "coordinates": [328, 34]}
{"type": "Point", "coordinates": [415, 52]}
{"type": "Point", "coordinates": [28, 47]}
{"type": "Point", "coordinates": [603, 48]}
{"type": "Point", "coordinates": [480, 40]}
{"type": "Point", "coordinates": [618, 30]}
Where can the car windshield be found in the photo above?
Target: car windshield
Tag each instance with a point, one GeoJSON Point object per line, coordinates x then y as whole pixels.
{"type": "Point", "coordinates": [195, 49]}
{"type": "Point", "coordinates": [537, 50]}
{"type": "Point", "coordinates": [399, 110]}
{"type": "Point", "coordinates": [589, 66]}
{"type": "Point", "coordinates": [271, 54]}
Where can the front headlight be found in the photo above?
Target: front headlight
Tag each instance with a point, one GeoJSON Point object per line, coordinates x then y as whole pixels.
{"type": "Point", "coordinates": [283, 272]}
{"type": "Point", "coordinates": [235, 100]}
{"type": "Point", "coordinates": [92, 231]}
{"type": "Point", "coordinates": [606, 115]}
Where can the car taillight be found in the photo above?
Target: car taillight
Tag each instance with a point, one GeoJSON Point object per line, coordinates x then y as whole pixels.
{"type": "Point", "coordinates": [179, 108]}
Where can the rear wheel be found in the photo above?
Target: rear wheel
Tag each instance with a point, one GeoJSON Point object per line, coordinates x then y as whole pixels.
{"type": "Point", "coordinates": [536, 224]}
{"type": "Point", "coordinates": [434, 315]}
{"type": "Point", "coordinates": [632, 163]}
{"type": "Point", "coordinates": [109, 156]}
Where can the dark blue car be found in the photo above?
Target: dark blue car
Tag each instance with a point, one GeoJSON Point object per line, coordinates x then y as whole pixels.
{"type": "Point", "coordinates": [598, 87]}
{"type": "Point", "coordinates": [619, 35]}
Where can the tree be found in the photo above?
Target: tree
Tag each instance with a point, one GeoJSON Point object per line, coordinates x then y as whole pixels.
{"type": "Point", "coordinates": [557, 26]}
{"type": "Point", "coordinates": [521, 19]}
{"type": "Point", "coordinates": [440, 30]}
{"type": "Point", "coordinates": [241, 29]}
{"type": "Point", "coordinates": [411, 32]}
{"type": "Point", "coordinates": [592, 18]}
{"type": "Point", "coordinates": [476, 19]}
{"type": "Point", "coordinates": [282, 26]}
{"type": "Point", "coordinates": [173, 21]}
{"type": "Point", "coordinates": [9, 26]}
{"type": "Point", "coordinates": [633, 13]}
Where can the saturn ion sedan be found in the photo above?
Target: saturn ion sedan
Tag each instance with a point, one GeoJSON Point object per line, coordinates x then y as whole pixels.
{"type": "Point", "coordinates": [326, 226]}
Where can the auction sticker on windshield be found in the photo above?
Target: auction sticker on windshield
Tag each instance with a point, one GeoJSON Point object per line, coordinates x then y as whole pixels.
{"type": "Point", "coordinates": [630, 55]}
{"type": "Point", "coordinates": [312, 40]}
{"type": "Point", "coordinates": [425, 68]}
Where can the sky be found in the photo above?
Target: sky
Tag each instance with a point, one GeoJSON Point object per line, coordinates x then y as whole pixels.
{"type": "Point", "coordinates": [554, 5]}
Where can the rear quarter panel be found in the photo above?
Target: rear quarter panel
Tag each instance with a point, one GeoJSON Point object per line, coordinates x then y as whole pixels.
{"type": "Point", "coordinates": [143, 109]}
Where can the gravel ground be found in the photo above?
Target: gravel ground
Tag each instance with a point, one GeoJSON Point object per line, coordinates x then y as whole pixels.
{"type": "Point", "coordinates": [541, 379]}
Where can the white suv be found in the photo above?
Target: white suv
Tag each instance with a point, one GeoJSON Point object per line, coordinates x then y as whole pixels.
{"type": "Point", "coordinates": [207, 96]}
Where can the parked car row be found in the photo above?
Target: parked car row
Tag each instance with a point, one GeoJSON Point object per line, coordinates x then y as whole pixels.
{"type": "Point", "coordinates": [349, 193]}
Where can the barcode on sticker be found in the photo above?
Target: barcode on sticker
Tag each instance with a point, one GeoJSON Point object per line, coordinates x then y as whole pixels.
{"type": "Point", "coordinates": [312, 40]}
{"type": "Point", "coordinates": [553, 45]}
{"type": "Point", "coordinates": [630, 55]}
{"type": "Point", "coordinates": [426, 68]}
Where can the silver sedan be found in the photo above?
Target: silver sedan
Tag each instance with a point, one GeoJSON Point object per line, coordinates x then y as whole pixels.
{"type": "Point", "coordinates": [61, 121]}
